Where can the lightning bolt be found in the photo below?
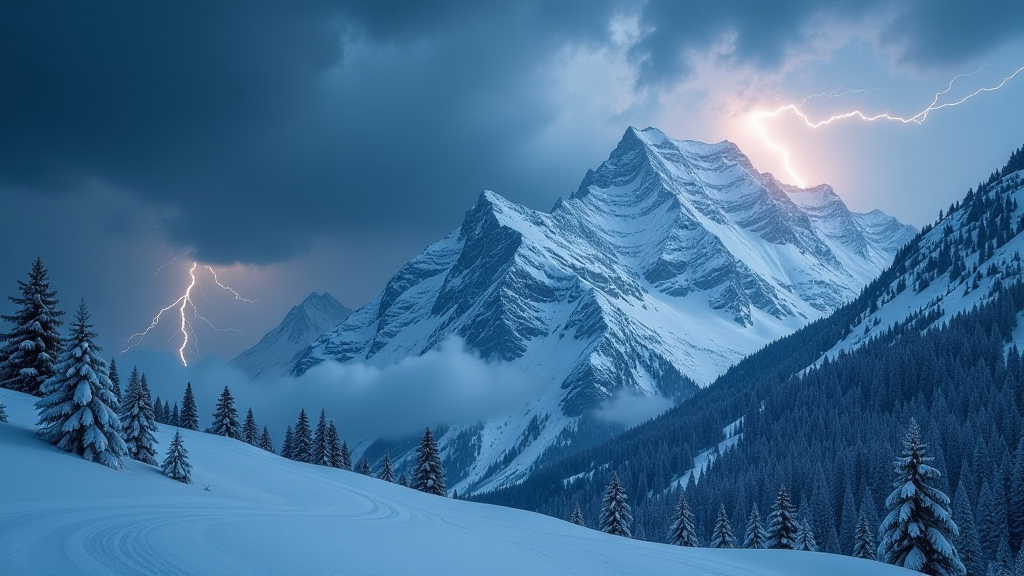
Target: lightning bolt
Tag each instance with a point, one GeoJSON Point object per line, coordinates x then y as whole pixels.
{"type": "Point", "coordinates": [755, 119]}
{"type": "Point", "coordinates": [187, 313]}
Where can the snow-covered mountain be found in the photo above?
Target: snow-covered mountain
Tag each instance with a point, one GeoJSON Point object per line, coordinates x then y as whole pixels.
{"type": "Point", "coordinates": [673, 260]}
{"type": "Point", "coordinates": [277, 350]}
{"type": "Point", "coordinates": [251, 512]}
{"type": "Point", "coordinates": [962, 260]}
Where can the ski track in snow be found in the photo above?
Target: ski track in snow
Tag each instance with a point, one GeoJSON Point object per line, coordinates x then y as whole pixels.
{"type": "Point", "coordinates": [266, 515]}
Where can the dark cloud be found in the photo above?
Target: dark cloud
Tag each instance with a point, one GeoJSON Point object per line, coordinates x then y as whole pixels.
{"type": "Point", "coordinates": [257, 128]}
{"type": "Point", "coordinates": [255, 133]}
{"type": "Point", "coordinates": [923, 33]}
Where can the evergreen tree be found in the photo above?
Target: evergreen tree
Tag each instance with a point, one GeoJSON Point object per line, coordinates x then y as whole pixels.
{"type": "Point", "coordinates": [967, 543]}
{"type": "Point", "coordinates": [250, 432]}
{"type": "Point", "coordinates": [288, 446]}
{"type": "Point", "coordinates": [345, 457]}
{"type": "Point", "coordinates": [3, 411]}
{"type": "Point", "coordinates": [302, 441]}
{"type": "Point", "coordinates": [364, 467]}
{"type": "Point", "coordinates": [176, 464]}
{"type": "Point", "coordinates": [387, 472]}
{"type": "Point", "coordinates": [755, 536]}
{"type": "Point", "coordinates": [159, 416]}
{"type": "Point", "coordinates": [577, 515]}
{"type": "Point", "coordinates": [189, 412]}
{"type": "Point", "coordinates": [848, 537]}
{"type": "Point", "coordinates": [334, 446]}
{"type": "Point", "coordinates": [917, 532]}
{"type": "Point", "coordinates": [991, 519]}
{"type": "Point", "coordinates": [78, 410]}
{"type": "Point", "coordinates": [29, 350]}
{"type": "Point", "coordinates": [682, 532]}
{"type": "Point", "coordinates": [129, 392]}
{"type": "Point", "coordinates": [265, 442]}
{"type": "Point", "coordinates": [782, 525]}
{"type": "Point", "coordinates": [115, 380]}
{"type": "Point", "coordinates": [722, 536]}
{"type": "Point", "coordinates": [804, 539]}
{"type": "Point", "coordinates": [429, 475]}
{"type": "Point", "coordinates": [615, 513]}
{"type": "Point", "coordinates": [402, 481]}
{"type": "Point", "coordinates": [139, 423]}
{"type": "Point", "coordinates": [322, 455]}
{"type": "Point", "coordinates": [225, 417]}
{"type": "Point", "coordinates": [175, 419]}
{"type": "Point", "coordinates": [1015, 499]}
{"type": "Point", "coordinates": [864, 542]}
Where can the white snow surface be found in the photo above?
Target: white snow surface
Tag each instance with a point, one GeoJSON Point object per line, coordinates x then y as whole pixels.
{"type": "Point", "coordinates": [264, 514]}
{"type": "Point", "coordinates": [671, 262]}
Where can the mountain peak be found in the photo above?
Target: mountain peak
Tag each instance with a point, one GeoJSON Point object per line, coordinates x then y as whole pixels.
{"type": "Point", "coordinates": [671, 261]}
{"type": "Point", "coordinates": [303, 323]}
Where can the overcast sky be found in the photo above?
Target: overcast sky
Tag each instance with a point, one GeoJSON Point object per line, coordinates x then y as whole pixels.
{"type": "Point", "coordinates": [301, 146]}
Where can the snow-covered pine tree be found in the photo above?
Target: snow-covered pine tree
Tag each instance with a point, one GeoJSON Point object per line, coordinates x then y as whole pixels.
{"type": "Point", "coordinates": [804, 539]}
{"type": "Point", "coordinates": [682, 533]}
{"type": "Point", "coordinates": [189, 412]}
{"type": "Point", "coordinates": [334, 445]}
{"type": "Point", "coordinates": [176, 464]}
{"type": "Point", "coordinates": [917, 533]}
{"type": "Point", "coordinates": [364, 467]}
{"type": "Point", "coordinates": [250, 433]}
{"type": "Point", "coordinates": [402, 480]}
{"type": "Point", "coordinates": [225, 417]}
{"type": "Point", "coordinates": [387, 472]}
{"type": "Point", "coordinates": [321, 455]}
{"type": "Point", "coordinates": [288, 445]}
{"type": "Point", "coordinates": [782, 525]}
{"type": "Point", "coordinates": [755, 536]}
{"type": "Point", "coordinates": [615, 514]}
{"type": "Point", "coordinates": [345, 457]}
{"type": "Point", "coordinates": [429, 474]}
{"type": "Point", "coordinates": [864, 542]}
{"type": "Point", "coordinates": [139, 423]}
{"type": "Point", "coordinates": [78, 410]}
{"type": "Point", "coordinates": [302, 440]}
{"type": "Point", "coordinates": [175, 419]}
{"type": "Point", "coordinates": [577, 515]}
{"type": "Point", "coordinates": [3, 411]}
{"type": "Point", "coordinates": [722, 536]}
{"type": "Point", "coordinates": [115, 379]}
{"type": "Point", "coordinates": [29, 350]}
{"type": "Point", "coordinates": [265, 442]}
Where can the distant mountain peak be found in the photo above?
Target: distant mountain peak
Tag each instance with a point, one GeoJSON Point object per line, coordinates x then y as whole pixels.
{"type": "Point", "coordinates": [303, 323]}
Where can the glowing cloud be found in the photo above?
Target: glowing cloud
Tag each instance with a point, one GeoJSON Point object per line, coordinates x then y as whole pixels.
{"type": "Point", "coordinates": [755, 119]}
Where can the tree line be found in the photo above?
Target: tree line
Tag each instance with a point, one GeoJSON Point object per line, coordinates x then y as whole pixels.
{"type": "Point", "coordinates": [83, 410]}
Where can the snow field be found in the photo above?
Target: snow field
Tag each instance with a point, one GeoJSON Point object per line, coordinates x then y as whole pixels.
{"type": "Point", "coordinates": [263, 514]}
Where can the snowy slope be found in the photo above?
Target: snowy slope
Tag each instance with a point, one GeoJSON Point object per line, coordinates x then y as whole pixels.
{"type": "Point", "coordinates": [263, 514]}
{"type": "Point", "coordinates": [927, 290]}
{"type": "Point", "coordinates": [275, 353]}
{"type": "Point", "coordinates": [673, 260]}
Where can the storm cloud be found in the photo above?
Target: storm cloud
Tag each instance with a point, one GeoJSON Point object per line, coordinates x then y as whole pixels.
{"type": "Point", "coordinates": [258, 127]}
